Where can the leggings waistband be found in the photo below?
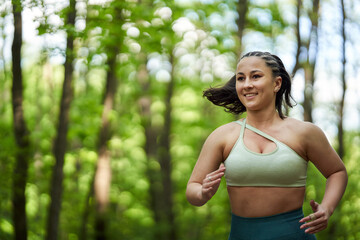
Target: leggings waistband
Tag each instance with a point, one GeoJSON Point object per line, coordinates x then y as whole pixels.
{"type": "Point", "coordinates": [283, 226]}
{"type": "Point", "coordinates": [291, 214]}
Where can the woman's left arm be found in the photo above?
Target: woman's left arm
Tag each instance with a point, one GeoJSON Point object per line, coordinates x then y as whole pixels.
{"type": "Point", "coordinates": [328, 162]}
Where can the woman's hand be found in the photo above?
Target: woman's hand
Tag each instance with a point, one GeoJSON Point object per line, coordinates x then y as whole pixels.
{"type": "Point", "coordinates": [316, 221]}
{"type": "Point", "coordinates": [211, 182]}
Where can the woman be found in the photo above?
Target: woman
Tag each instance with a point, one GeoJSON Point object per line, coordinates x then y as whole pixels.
{"type": "Point", "coordinates": [264, 157]}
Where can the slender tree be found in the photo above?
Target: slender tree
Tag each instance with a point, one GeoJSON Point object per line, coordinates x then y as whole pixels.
{"type": "Point", "coordinates": [86, 212]}
{"type": "Point", "coordinates": [102, 180]}
{"type": "Point", "coordinates": [87, 209]}
{"type": "Point", "coordinates": [341, 148]}
{"type": "Point", "coordinates": [150, 145]}
{"type": "Point", "coordinates": [103, 169]}
{"type": "Point", "coordinates": [242, 8]}
{"type": "Point", "coordinates": [157, 148]}
{"type": "Point", "coordinates": [165, 159]}
{"type": "Point", "coordinates": [59, 148]}
{"type": "Point", "coordinates": [298, 38]}
{"type": "Point", "coordinates": [20, 131]}
{"type": "Point", "coordinates": [157, 138]}
{"type": "Point", "coordinates": [309, 48]}
{"type": "Point", "coordinates": [309, 64]}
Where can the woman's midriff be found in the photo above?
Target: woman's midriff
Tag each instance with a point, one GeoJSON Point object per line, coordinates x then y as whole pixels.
{"type": "Point", "coordinates": [264, 201]}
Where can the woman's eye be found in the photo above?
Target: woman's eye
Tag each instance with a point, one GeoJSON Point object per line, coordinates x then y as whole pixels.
{"type": "Point", "coordinates": [240, 78]}
{"type": "Point", "coordinates": [256, 76]}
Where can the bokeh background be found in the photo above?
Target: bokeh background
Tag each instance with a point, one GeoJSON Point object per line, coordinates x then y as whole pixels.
{"type": "Point", "coordinates": [102, 116]}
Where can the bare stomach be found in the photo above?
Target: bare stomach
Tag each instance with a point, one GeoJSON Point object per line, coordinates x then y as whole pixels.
{"type": "Point", "coordinates": [264, 201]}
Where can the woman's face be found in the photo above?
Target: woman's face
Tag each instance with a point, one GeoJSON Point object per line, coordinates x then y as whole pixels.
{"type": "Point", "coordinates": [255, 85]}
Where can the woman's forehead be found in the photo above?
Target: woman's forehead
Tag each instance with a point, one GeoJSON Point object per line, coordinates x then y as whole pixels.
{"type": "Point", "coordinates": [251, 63]}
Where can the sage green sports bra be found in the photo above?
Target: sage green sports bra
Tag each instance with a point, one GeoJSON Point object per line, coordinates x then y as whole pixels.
{"type": "Point", "coordinates": [282, 167]}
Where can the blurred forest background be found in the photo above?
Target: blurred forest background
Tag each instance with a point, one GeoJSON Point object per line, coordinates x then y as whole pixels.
{"type": "Point", "coordinates": [102, 116]}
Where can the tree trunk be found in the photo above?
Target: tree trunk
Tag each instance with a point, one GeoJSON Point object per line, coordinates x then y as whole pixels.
{"type": "Point", "coordinates": [164, 157]}
{"type": "Point", "coordinates": [157, 148]}
{"type": "Point", "coordinates": [241, 9]}
{"type": "Point", "coordinates": [88, 204]}
{"type": "Point", "coordinates": [308, 92]}
{"type": "Point", "coordinates": [309, 66]}
{"type": "Point", "coordinates": [151, 146]}
{"type": "Point", "coordinates": [86, 212]}
{"type": "Point", "coordinates": [21, 132]}
{"type": "Point", "coordinates": [102, 180]}
{"type": "Point", "coordinates": [60, 143]}
{"type": "Point", "coordinates": [241, 21]}
{"type": "Point", "coordinates": [298, 38]}
{"type": "Point", "coordinates": [341, 149]}
{"type": "Point", "coordinates": [103, 169]}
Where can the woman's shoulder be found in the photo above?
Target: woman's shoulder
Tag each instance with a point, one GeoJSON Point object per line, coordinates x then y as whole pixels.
{"type": "Point", "coordinates": [227, 128]}
{"type": "Point", "coordinates": [224, 137]}
{"type": "Point", "coordinates": [218, 139]}
{"type": "Point", "coordinates": [304, 129]}
{"type": "Point", "coordinates": [222, 134]}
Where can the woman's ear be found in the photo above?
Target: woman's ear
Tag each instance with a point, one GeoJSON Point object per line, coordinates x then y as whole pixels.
{"type": "Point", "coordinates": [277, 83]}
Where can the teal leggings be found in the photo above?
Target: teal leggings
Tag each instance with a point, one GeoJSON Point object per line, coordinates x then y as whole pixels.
{"type": "Point", "coordinates": [284, 226]}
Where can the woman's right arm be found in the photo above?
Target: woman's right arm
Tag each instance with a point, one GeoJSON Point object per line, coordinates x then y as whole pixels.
{"type": "Point", "coordinates": [206, 176]}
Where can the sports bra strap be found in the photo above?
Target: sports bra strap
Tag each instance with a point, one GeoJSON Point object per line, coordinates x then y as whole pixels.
{"type": "Point", "coordinates": [261, 133]}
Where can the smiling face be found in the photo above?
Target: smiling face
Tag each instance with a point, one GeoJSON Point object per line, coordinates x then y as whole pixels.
{"type": "Point", "coordinates": [255, 84]}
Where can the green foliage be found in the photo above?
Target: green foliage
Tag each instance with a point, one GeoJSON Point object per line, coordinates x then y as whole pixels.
{"type": "Point", "coordinates": [142, 34]}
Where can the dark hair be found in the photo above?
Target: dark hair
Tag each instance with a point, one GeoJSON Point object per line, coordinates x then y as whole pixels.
{"type": "Point", "coordinates": [227, 97]}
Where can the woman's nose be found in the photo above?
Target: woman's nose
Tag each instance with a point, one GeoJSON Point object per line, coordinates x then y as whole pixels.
{"type": "Point", "coordinates": [247, 83]}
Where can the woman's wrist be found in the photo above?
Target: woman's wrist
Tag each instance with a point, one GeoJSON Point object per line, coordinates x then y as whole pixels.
{"type": "Point", "coordinates": [194, 194]}
{"type": "Point", "coordinates": [328, 209]}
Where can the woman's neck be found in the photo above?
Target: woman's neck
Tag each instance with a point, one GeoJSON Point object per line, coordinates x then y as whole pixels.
{"type": "Point", "coordinates": [261, 119]}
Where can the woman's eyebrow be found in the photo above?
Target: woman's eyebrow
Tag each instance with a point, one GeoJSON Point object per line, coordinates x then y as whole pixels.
{"type": "Point", "coordinates": [253, 71]}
